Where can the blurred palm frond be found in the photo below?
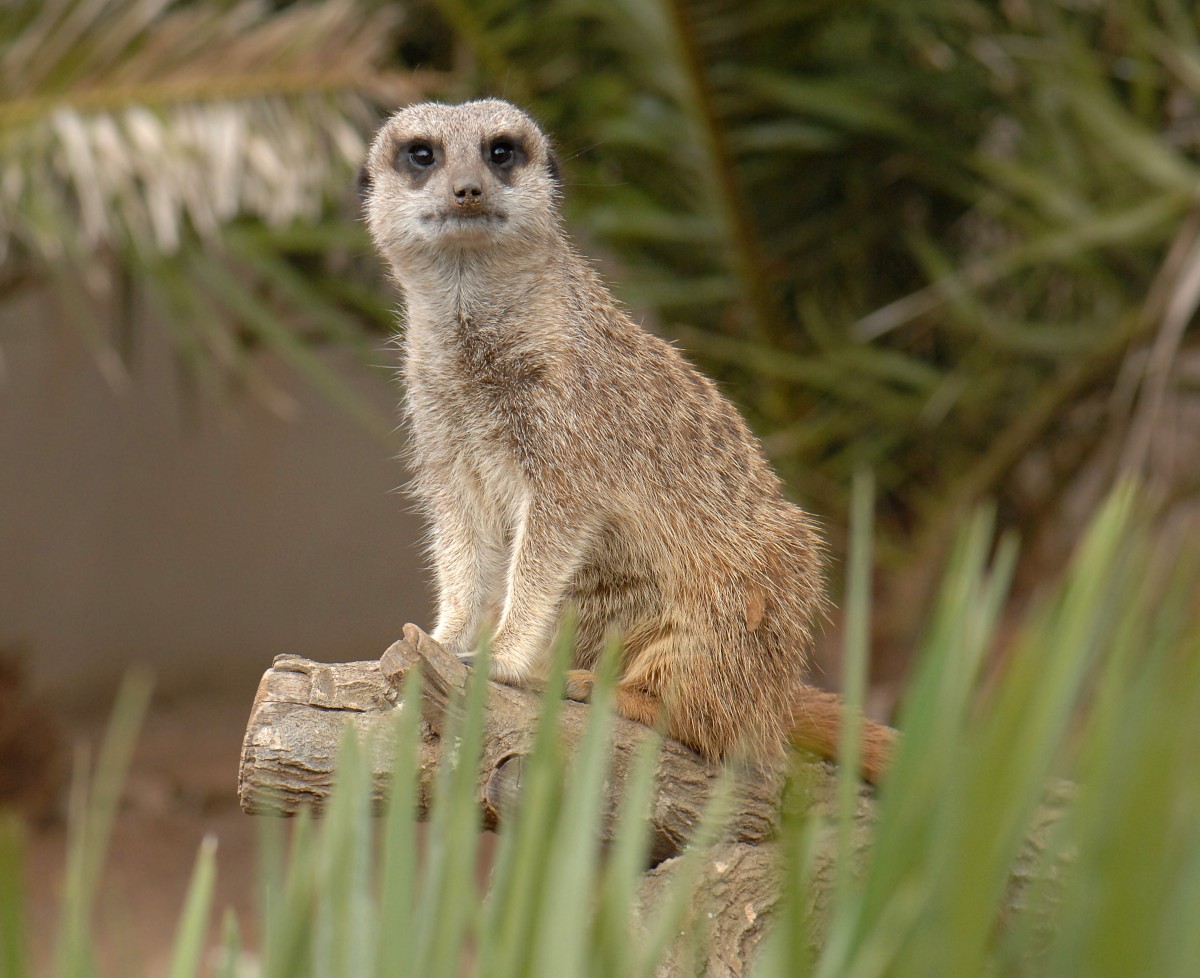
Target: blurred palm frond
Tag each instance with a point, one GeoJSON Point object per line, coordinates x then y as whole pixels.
{"type": "Point", "coordinates": [200, 156]}
{"type": "Point", "coordinates": [131, 124]}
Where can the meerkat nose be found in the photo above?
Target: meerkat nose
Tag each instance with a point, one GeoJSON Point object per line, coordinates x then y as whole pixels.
{"type": "Point", "coordinates": [468, 188]}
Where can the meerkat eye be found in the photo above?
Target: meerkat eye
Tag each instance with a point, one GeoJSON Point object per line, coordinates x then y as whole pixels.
{"type": "Point", "coordinates": [421, 154]}
{"type": "Point", "coordinates": [502, 153]}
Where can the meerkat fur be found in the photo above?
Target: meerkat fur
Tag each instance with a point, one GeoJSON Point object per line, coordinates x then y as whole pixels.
{"type": "Point", "coordinates": [565, 457]}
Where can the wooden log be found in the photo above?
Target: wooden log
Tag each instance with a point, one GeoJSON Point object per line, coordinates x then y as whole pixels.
{"type": "Point", "coordinates": [303, 707]}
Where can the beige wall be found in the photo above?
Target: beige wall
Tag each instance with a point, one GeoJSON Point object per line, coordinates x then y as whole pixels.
{"type": "Point", "coordinates": [136, 526]}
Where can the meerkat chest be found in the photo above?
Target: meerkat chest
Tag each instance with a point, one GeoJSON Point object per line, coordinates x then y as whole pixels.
{"type": "Point", "coordinates": [469, 407]}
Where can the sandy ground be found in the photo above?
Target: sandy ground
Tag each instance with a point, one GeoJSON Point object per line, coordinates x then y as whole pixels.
{"type": "Point", "coordinates": [182, 787]}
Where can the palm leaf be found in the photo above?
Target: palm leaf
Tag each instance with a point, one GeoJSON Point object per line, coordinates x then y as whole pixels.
{"type": "Point", "coordinates": [145, 142]}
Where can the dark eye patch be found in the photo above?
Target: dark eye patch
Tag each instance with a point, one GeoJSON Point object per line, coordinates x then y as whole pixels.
{"type": "Point", "coordinates": [503, 154]}
{"type": "Point", "coordinates": [417, 156]}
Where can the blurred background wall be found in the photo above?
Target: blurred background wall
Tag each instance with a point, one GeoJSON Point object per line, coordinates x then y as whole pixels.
{"type": "Point", "coordinates": [141, 526]}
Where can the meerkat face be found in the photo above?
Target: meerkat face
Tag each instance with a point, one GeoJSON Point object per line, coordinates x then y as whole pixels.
{"type": "Point", "coordinates": [464, 177]}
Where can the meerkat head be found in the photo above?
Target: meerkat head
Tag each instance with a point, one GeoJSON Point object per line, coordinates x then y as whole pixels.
{"type": "Point", "coordinates": [461, 178]}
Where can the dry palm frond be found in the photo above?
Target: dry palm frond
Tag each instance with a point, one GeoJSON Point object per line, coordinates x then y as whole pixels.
{"type": "Point", "coordinates": [200, 156]}
{"type": "Point", "coordinates": [129, 123]}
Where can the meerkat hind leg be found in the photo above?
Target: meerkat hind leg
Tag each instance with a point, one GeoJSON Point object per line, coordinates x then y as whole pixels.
{"type": "Point", "coordinates": [632, 703]}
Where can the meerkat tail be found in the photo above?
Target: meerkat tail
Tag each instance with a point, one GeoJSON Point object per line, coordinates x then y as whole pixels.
{"type": "Point", "coordinates": [817, 727]}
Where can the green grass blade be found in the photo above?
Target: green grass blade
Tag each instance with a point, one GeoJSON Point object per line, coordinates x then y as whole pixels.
{"type": "Point", "coordinates": [191, 936]}
{"type": "Point", "coordinates": [229, 960]}
{"type": "Point", "coordinates": [93, 811]}
{"type": "Point", "coordinates": [933, 717]}
{"type": "Point", "coordinates": [398, 869]}
{"type": "Point", "coordinates": [14, 947]}
{"type": "Point", "coordinates": [344, 927]}
{"type": "Point", "coordinates": [624, 862]}
{"type": "Point", "coordinates": [573, 851]}
{"type": "Point", "coordinates": [1133, 819]}
{"type": "Point", "coordinates": [665, 924]}
{"type": "Point", "coordinates": [449, 903]}
{"type": "Point", "coordinates": [1017, 750]}
{"type": "Point", "coordinates": [516, 890]}
{"type": "Point", "coordinates": [288, 910]}
{"type": "Point", "coordinates": [854, 676]}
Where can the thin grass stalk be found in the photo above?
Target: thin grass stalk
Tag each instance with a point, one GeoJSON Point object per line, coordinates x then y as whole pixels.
{"type": "Point", "coordinates": [854, 677]}
{"type": "Point", "coordinates": [952, 875]}
{"type": "Point", "coordinates": [790, 947]}
{"type": "Point", "coordinates": [1012, 751]}
{"type": "Point", "coordinates": [507, 932]}
{"type": "Point", "coordinates": [865, 936]}
{"type": "Point", "coordinates": [191, 936]}
{"type": "Point", "coordinates": [564, 950]}
{"type": "Point", "coordinates": [668, 922]}
{"type": "Point", "coordinates": [1133, 818]}
{"type": "Point", "coordinates": [398, 869]}
{"type": "Point", "coordinates": [624, 863]}
{"type": "Point", "coordinates": [450, 901]}
{"type": "Point", "coordinates": [93, 812]}
{"type": "Point", "coordinates": [228, 959]}
{"type": "Point", "coordinates": [1178, 939]}
{"type": "Point", "coordinates": [345, 910]}
{"type": "Point", "coordinates": [14, 943]}
{"type": "Point", "coordinates": [288, 910]}
{"type": "Point", "coordinates": [270, 878]}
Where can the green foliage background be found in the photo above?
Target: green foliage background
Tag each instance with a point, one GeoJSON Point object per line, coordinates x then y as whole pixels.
{"type": "Point", "coordinates": [926, 237]}
{"type": "Point", "coordinates": [955, 240]}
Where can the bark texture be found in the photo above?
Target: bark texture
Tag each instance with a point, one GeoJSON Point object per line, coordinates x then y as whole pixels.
{"type": "Point", "coordinates": [302, 708]}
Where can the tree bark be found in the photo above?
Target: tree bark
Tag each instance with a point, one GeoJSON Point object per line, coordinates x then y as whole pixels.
{"type": "Point", "coordinates": [302, 708]}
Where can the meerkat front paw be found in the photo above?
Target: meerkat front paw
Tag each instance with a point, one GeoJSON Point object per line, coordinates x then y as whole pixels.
{"type": "Point", "coordinates": [509, 670]}
{"type": "Point", "coordinates": [460, 641]}
{"type": "Point", "coordinates": [500, 668]}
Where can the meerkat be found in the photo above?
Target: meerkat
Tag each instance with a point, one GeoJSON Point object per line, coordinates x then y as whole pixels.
{"type": "Point", "coordinates": [567, 458]}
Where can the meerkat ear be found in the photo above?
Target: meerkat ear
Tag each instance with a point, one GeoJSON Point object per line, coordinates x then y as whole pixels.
{"type": "Point", "coordinates": [554, 165]}
{"type": "Point", "coordinates": [363, 184]}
